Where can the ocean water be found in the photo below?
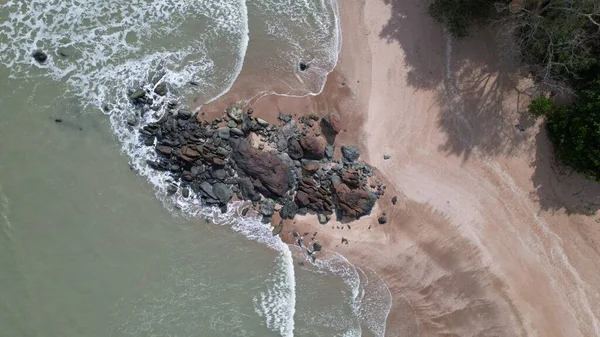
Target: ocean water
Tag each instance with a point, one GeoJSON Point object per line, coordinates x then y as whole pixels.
{"type": "Point", "coordinates": [90, 244]}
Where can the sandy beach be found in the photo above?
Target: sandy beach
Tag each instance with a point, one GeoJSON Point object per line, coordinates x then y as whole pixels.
{"type": "Point", "coordinates": [490, 236]}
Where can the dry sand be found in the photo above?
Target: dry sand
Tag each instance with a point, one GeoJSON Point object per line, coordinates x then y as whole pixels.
{"type": "Point", "coordinates": [490, 237]}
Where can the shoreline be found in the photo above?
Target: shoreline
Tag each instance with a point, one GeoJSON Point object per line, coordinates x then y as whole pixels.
{"type": "Point", "coordinates": [487, 237]}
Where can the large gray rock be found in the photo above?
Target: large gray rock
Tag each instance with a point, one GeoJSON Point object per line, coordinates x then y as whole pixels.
{"type": "Point", "coordinates": [267, 207]}
{"type": "Point", "coordinates": [137, 94]}
{"type": "Point", "coordinates": [294, 149]}
{"type": "Point", "coordinates": [161, 89]}
{"type": "Point", "coordinates": [222, 192]}
{"type": "Point", "coordinates": [262, 122]}
{"type": "Point", "coordinates": [274, 176]}
{"type": "Point", "coordinates": [350, 153]}
{"type": "Point", "coordinates": [207, 190]}
{"type": "Point", "coordinates": [289, 210]}
{"type": "Point", "coordinates": [224, 132]}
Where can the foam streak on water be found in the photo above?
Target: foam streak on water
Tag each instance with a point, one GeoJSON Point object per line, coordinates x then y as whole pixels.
{"type": "Point", "coordinates": [370, 298]}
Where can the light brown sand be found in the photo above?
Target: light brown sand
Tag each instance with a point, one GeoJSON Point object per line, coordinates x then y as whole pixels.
{"type": "Point", "coordinates": [489, 237]}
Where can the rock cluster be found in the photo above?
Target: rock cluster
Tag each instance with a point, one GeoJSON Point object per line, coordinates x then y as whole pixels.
{"type": "Point", "coordinates": [287, 167]}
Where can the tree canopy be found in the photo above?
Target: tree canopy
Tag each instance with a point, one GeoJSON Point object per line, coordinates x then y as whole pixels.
{"type": "Point", "coordinates": [559, 42]}
{"type": "Point", "coordinates": [575, 132]}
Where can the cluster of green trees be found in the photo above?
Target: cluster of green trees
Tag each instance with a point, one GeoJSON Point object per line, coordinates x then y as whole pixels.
{"type": "Point", "coordinates": [559, 41]}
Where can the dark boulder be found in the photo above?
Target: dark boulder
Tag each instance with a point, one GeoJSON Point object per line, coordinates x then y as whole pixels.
{"type": "Point", "coordinates": [222, 192]}
{"type": "Point", "coordinates": [164, 150]}
{"type": "Point", "coordinates": [317, 247]}
{"type": "Point", "coordinates": [332, 122]}
{"type": "Point", "coordinates": [274, 175]}
{"type": "Point", "coordinates": [39, 56]}
{"type": "Point", "coordinates": [329, 152]}
{"type": "Point", "coordinates": [267, 207]}
{"type": "Point", "coordinates": [190, 152]}
{"type": "Point", "coordinates": [136, 95]}
{"type": "Point", "coordinates": [171, 189]}
{"type": "Point", "coordinates": [247, 189]}
{"type": "Point", "coordinates": [313, 146]}
{"type": "Point", "coordinates": [350, 153]}
{"type": "Point", "coordinates": [294, 149]}
{"type": "Point", "coordinates": [302, 199]}
{"type": "Point", "coordinates": [353, 203]}
{"type": "Point", "coordinates": [206, 190]}
{"type": "Point", "coordinates": [161, 89]}
{"type": "Point", "coordinates": [351, 178]}
{"type": "Point", "coordinates": [289, 210]}
{"type": "Point", "coordinates": [184, 114]}
{"type": "Point", "coordinates": [382, 219]}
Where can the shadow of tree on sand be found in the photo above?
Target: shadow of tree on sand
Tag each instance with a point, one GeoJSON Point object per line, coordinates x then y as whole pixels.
{"type": "Point", "coordinates": [482, 94]}
{"type": "Point", "coordinates": [474, 77]}
{"type": "Point", "coordinates": [558, 187]}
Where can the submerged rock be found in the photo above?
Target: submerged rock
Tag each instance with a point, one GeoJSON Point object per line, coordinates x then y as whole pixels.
{"type": "Point", "coordinates": [161, 89]}
{"type": "Point", "coordinates": [39, 56]}
{"type": "Point", "coordinates": [317, 247]}
{"type": "Point", "coordinates": [140, 93]}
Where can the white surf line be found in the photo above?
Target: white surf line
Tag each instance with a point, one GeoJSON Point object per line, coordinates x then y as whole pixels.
{"type": "Point", "coordinates": [245, 43]}
{"type": "Point", "coordinates": [4, 207]}
{"type": "Point", "coordinates": [557, 251]}
{"type": "Point", "coordinates": [266, 93]}
{"type": "Point", "coordinates": [389, 306]}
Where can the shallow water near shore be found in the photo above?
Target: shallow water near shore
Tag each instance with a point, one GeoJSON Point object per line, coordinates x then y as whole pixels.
{"type": "Point", "coordinates": [90, 245]}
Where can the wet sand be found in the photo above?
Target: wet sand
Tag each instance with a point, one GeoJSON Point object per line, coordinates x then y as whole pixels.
{"type": "Point", "coordinates": [490, 237]}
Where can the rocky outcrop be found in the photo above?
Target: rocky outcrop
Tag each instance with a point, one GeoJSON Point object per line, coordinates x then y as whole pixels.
{"type": "Point", "coordinates": [353, 203]}
{"type": "Point", "coordinates": [270, 171]}
{"type": "Point", "coordinates": [332, 122]}
{"type": "Point", "coordinates": [217, 160]}
{"type": "Point", "coordinates": [313, 146]}
{"type": "Point", "coordinates": [350, 154]}
{"type": "Point", "coordinates": [161, 89]}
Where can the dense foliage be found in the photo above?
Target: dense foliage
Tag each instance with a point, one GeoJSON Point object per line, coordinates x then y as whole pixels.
{"type": "Point", "coordinates": [540, 106]}
{"type": "Point", "coordinates": [575, 132]}
{"type": "Point", "coordinates": [559, 42]}
{"type": "Point", "coordinates": [558, 39]}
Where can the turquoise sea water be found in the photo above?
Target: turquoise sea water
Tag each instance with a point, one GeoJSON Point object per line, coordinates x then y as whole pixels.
{"type": "Point", "coordinates": [90, 245]}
